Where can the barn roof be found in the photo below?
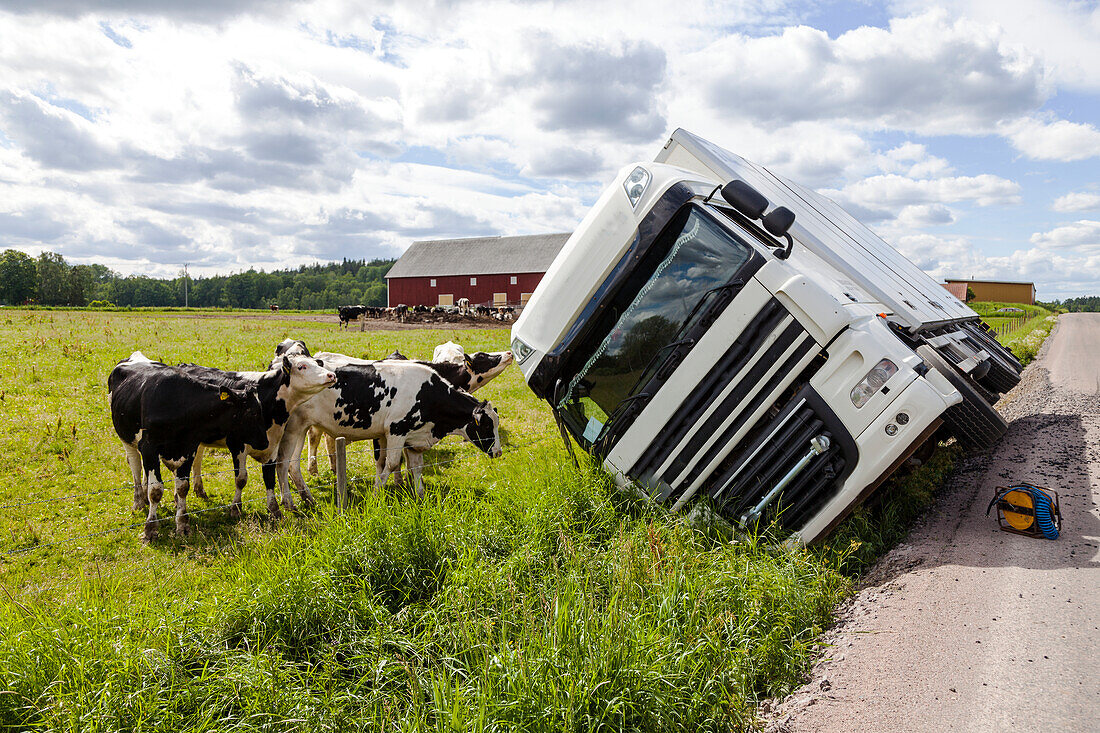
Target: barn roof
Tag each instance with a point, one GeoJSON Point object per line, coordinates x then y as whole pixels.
{"type": "Point", "coordinates": [956, 288]}
{"type": "Point", "coordinates": [479, 256]}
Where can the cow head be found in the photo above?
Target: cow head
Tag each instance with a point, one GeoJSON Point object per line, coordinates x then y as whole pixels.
{"type": "Point", "coordinates": [306, 375]}
{"type": "Point", "coordinates": [483, 366]}
{"type": "Point", "coordinates": [291, 347]}
{"type": "Point", "coordinates": [483, 429]}
{"type": "Point", "coordinates": [449, 351]}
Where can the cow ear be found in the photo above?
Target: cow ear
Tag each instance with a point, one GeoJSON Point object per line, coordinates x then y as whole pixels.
{"type": "Point", "coordinates": [469, 362]}
{"type": "Point", "coordinates": [286, 365]}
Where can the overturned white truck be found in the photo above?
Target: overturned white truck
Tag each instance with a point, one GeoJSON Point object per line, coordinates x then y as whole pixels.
{"type": "Point", "coordinates": [713, 329]}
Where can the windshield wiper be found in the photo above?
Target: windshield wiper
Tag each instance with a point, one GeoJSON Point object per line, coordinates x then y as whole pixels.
{"type": "Point", "coordinates": [652, 359]}
{"type": "Point", "coordinates": [605, 431]}
{"type": "Point", "coordinates": [735, 284]}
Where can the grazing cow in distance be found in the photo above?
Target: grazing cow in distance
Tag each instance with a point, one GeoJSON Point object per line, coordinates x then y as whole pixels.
{"type": "Point", "coordinates": [162, 414]}
{"type": "Point", "coordinates": [291, 380]}
{"type": "Point", "coordinates": [403, 405]}
{"type": "Point", "coordinates": [349, 313]}
{"type": "Point", "coordinates": [400, 311]}
{"type": "Point", "coordinates": [274, 308]}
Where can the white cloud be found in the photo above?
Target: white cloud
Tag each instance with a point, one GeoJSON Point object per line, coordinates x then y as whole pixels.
{"type": "Point", "coordinates": [924, 73]}
{"type": "Point", "coordinates": [1060, 140]}
{"type": "Point", "coordinates": [1077, 201]}
{"type": "Point", "coordinates": [1080, 236]}
{"type": "Point", "coordinates": [893, 192]}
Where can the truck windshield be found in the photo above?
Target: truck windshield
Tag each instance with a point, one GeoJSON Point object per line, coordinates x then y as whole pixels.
{"type": "Point", "coordinates": [655, 306]}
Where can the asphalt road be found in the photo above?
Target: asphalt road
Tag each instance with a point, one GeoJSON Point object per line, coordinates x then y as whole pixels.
{"type": "Point", "coordinates": [965, 627]}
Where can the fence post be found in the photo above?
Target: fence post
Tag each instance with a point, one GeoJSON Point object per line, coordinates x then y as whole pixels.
{"type": "Point", "coordinates": [341, 474]}
{"type": "Point", "coordinates": [362, 323]}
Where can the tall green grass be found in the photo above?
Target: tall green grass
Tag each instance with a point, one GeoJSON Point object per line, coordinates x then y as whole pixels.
{"type": "Point", "coordinates": [1026, 340]}
{"type": "Point", "coordinates": [542, 600]}
{"type": "Point", "coordinates": [518, 594]}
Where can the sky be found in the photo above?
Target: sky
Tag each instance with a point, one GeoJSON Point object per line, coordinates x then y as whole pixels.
{"type": "Point", "coordinates": [236, 134]}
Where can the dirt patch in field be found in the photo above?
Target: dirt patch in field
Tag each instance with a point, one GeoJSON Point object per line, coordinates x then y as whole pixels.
{"type": "Point", "coordinates": [370, 324]}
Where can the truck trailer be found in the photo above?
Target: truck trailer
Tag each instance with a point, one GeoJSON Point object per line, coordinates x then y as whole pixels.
{"type": "Point", "coordinates": [712, 329]}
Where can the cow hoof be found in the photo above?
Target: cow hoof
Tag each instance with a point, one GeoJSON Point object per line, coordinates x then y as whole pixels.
{"type": "Point", "coordinates": [140, 506]}
{"type": "Point", "coordinates": [307, 500]}
{"type": "Point", "coordinates": [183, 530]}
{"type": "Point", "coordinates": [235, 511]}
{"type": "Point", "coordinates": [150, 533]}
{"type": "Point", "coordinates": [200, 492]}
{"type": "Point", "coordinates": [274, 511]}
{"type": "Point", "coordinates": [311, 469]}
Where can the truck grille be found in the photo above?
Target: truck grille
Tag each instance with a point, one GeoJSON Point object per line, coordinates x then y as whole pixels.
{"type": "Point", "coordinates": [748, 421]}
{"type": "Point", "coordinates": [771, 449]}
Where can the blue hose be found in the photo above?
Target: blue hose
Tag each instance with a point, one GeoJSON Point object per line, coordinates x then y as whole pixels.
{"type": "Point", "coordinates": [1044, 512]}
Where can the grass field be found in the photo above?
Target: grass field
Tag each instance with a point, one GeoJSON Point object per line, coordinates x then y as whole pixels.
{"type": "Point", "coordinates": [1029, 333]}
{"type": "Point", "coordinates": [519, 594]}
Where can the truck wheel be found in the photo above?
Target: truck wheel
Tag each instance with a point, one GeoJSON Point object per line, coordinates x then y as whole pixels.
{"type": "Point", "coordinates": [975, 424]}
{"type": "Point", "coordinates": [1001, 377]}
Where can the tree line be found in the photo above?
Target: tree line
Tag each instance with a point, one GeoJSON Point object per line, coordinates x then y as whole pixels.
{"type": "Point", "coordinates": [1085, 304]}
{"type": "Point", "coordinates": [50, 280]}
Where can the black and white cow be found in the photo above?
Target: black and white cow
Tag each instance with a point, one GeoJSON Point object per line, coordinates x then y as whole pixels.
{"type": "Point", "coordinates": [464, 371]}
{"type": "Point", "coordinates": [407, 407]}
{"type": "Point", "coordinates": [290, 347]}
{"type": "Point", "coordinates": [162, 414]}
{"type": "Point", "coordinates": [348, 313]}
{"type": "Point", "coordinates": [291, 380]}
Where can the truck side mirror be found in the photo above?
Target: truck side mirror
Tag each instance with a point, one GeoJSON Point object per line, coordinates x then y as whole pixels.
{"type": "Point", "coordinates": [745, 199]}
{"type": "Point", "coordinates": [778, 221]}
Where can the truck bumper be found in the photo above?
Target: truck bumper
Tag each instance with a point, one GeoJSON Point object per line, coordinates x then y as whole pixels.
{"type": "Point", "coordinates": [880, 453]}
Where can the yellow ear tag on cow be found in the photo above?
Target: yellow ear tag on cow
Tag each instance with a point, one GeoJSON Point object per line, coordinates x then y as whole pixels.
{"type": "Point", "coordinates": [223, 395]}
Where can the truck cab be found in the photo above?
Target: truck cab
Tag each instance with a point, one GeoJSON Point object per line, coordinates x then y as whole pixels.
{"type": "Point", "coordinates": [711, 330]}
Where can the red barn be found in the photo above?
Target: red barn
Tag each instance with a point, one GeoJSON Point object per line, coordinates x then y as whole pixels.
{"type": "Point", "coordinates": [486, 270]}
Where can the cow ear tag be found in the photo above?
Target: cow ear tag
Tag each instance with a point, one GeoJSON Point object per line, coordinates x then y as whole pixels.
{"type": "Point", "coordinates": [468, 360]}
{"type": "Point", "coordinates": [223, 395]}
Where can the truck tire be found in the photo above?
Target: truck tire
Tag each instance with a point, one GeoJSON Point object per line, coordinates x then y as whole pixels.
{"type": "Point", "coordinates": [974, 422]}
{"type": "Point", "coordinates": [1001, 377]}
{"type": "Point", "coordinates": [1004, 372]}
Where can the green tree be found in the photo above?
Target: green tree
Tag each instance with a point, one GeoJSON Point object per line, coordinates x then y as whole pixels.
{"type": "Point", "coordinates": [18, 277]}
{"type": "Point", "coordinates": [53, 279]}
{"type": "Point", "coordinates": [81, 285]}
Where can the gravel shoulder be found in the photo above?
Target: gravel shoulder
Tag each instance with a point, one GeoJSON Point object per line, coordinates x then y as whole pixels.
{"type": "Point", "coordinates": [967, 628]}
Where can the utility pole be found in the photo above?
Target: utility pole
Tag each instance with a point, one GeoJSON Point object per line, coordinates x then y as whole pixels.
{"type": "Point", "coordinates": [185, 279]}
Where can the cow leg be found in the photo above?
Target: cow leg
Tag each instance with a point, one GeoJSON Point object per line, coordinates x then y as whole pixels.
{"type": "Point", "coordinates": [330, 446]}
{"type": "Point", "coordinates": [183, 521]}
{"type": "Point", "coordinates": [150, 462]}
{"type": "Point", "coordinates": [314, 434]}
{"type": "Point", "coordinates": [414, 462]}
{"type": "Point", "coordinates": [290, 462]}
{"type": "Point", "coordinates": [196, 476]}
{"type": "Point", "coordinates": [270, 473]}
{"type": "Point", "coordinates": [240, 478]}
{"type": "Point", "coordinates": [133, 457]}
{"type": "Point", "coordinates": [391, 459]}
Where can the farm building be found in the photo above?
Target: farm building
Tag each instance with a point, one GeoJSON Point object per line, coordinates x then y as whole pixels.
{"type": "Point", "coordinates": [994, 290]}
{"type": "Point", "coordinates": [486, 270]}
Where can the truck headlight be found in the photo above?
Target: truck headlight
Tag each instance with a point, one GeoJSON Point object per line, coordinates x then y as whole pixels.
{"type": "Point", "coordinates": [635, 184]}
{"type": "Point", "coordinates": [873, 382]}
{"type": "Point", "coordinates": [520, 350]}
